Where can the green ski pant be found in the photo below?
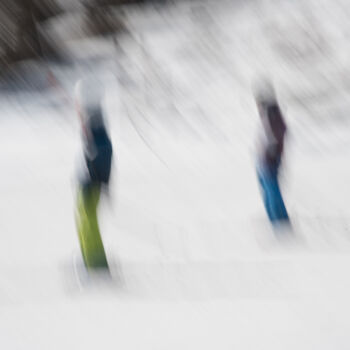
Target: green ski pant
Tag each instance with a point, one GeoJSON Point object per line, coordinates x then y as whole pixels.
{"type": "Point", "coordinates": [88, 230]}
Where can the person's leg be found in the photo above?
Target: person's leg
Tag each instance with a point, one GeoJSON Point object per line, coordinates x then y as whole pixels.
{"type": "Point", "coordinates": [87, 224]}
{"type": "Point", "coordinates": [277, 209]}
{"type": "Point", "coordinates": [265, 192]}
{"type": "Point", "coordinates": [272, 196]}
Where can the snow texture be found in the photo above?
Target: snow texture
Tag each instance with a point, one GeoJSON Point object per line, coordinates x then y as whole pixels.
{"type": "Point", "coordinates": [199, 266]}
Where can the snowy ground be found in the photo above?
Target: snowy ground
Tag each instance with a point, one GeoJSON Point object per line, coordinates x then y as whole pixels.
{"type": "Point", "coordinates": [200, 267]}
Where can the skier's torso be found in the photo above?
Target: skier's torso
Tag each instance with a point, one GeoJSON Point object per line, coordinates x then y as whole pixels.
{"type": "Point", "coordinates": [97, 149]}
{"type": "Point", "coordinates": [271, 139]}
{"type": "Point", "coordinates": [98, 155]}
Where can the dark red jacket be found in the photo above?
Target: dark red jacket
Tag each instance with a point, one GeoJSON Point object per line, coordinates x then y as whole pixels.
{"type": "Point", "coordinates": [275, 129]}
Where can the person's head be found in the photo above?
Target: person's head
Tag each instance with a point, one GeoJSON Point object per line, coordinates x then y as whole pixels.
{"type": "Point", "coordinates": [89, 94]}
{"type": "Point", "coordinates": [265, 95]}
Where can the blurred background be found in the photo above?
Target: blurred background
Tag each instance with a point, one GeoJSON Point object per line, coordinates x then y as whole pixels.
{"type": "Point", "coordinates": [199, 265]}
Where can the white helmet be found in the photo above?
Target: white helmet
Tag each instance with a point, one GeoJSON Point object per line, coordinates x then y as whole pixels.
{"type": "Point", "coordinates": [89, 93]}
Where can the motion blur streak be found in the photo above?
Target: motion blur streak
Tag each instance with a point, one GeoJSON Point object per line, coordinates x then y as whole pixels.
{"type": "Point", "coordinates": [198, 253]}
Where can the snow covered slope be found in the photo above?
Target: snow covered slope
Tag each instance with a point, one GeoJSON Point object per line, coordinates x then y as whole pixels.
{"type": "Point", "coordinates": [200, 267]}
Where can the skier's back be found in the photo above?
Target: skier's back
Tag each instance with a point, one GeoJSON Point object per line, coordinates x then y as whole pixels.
{"type": "Point", "coordinates": [98, 152]}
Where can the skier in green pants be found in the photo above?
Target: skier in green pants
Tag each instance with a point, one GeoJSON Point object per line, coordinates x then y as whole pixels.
{"type": "Point", "coordinates": [95, 178]}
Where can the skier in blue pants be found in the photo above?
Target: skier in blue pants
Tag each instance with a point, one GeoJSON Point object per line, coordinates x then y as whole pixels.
{"type": "Point", "coordinates": [270, 153]}
{"type": "Point", "coordinates": [272, 196]}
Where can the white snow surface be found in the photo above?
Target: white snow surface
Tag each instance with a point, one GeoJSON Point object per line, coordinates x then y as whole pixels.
{"type": "Point", "coordinates": [199, 266]}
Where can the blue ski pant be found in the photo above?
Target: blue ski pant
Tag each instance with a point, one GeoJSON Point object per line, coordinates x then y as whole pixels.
{"type": "Point", "coordinates": [272, 196]}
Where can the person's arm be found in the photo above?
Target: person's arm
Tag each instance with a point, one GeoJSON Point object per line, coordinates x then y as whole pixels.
{"type": "Point", "coordinates": [277, 130]}
{"type": "Point", "coordinates": [277, 125]}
